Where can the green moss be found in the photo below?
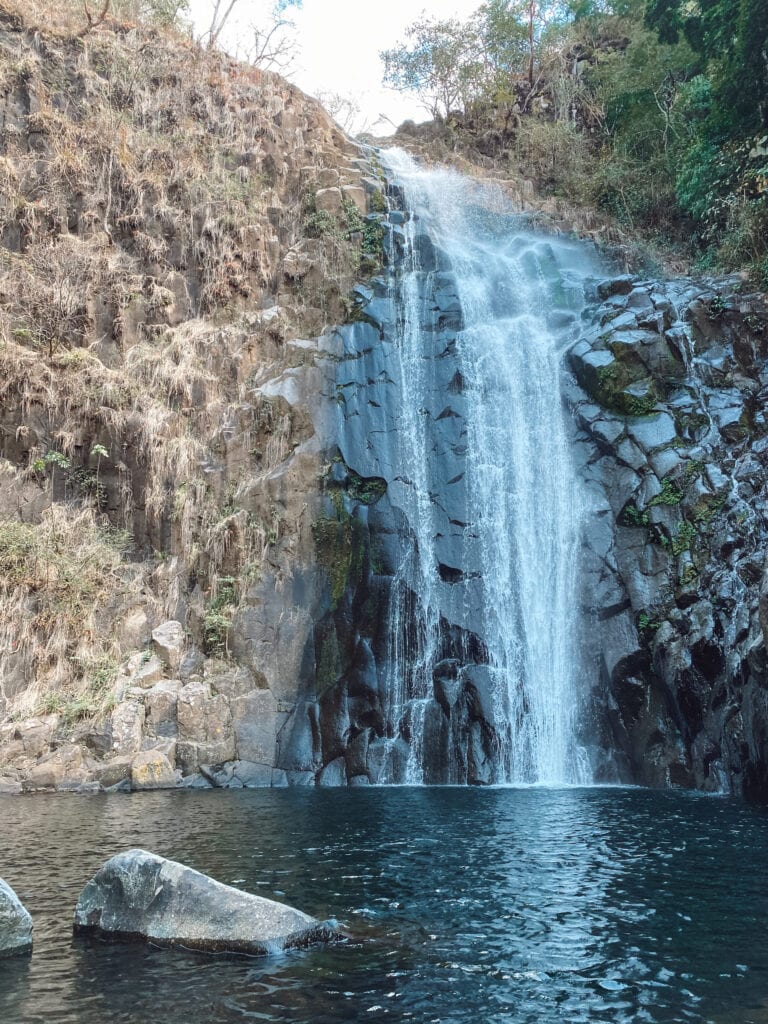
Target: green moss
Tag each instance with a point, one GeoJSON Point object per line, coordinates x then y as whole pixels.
{"type": "Point", "coordinates": [631, 515]}
{"type": "Point", "coordinates": [328, 660]}
{"type": "Point", "coordinates": [683, 538]}
{"type": "Point", "coordinates": [646, 624]}
{"type": "Point", "coordinates": [706, 508]}
{"type": "Point", "coordinates": [366, 490]}
{"type": "Point", "coordinates": [690, 575]}
{"type": "Point", "coordinates": [670, 493]}
{"type": "Point", "coordinates": [612, 392]}
{"type": "Point", "coordinates": [340, 545]}
{"type": "Point", "coordinates": [218, 618]}
{"type": "Point", "coordinates": [693, 469]}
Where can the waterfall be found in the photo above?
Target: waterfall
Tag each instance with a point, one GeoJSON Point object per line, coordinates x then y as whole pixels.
{"type": "Point", "coordinates": [484, 310]}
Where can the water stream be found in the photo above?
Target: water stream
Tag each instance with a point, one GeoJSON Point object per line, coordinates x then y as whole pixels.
{"type": "Point", "coordinates": [485, 309]}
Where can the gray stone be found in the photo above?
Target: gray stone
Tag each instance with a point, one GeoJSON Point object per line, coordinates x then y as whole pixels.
{"type": "Point", "coordinates": [252, 775]}
{"type": "Point", "coordinates": [329, 200]}
{"type": "Point", "coordinates": [15, 923]}
{"type": "Point", "coordinates": [148, 673]}
{"type": "Point", "coordinates": [192, 663]}
{"type": "Point", "coordinates": [205, 727]}
{"type": "Point", "coordinates": [615, 286]}
{"type": "Point", "coordinates": [168, 644]}
{"type": "Point", "coordinates": [334, 774]}
{"type": "Point", "coordinates": [257, 722]}
{"type": "Point", "coordinates": [652, 431]}
{"type": "Point", "coordinates": [151, 769]}
{"type": "Point", "coordinates": [195, 781]}
{"type": "Point", "coordinates": [160, 704]}
{"type": "Point", "coordinates": [113, 772]}
{"type": "Point", "coordinates": [127, 727]}
{"type": "Point", "coordinates": [138, 895]}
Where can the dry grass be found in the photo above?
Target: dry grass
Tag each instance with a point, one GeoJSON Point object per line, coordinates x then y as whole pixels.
{"type": "Point", "coordinates": [149, 191]}
{"type": "Point", "coordinates": [60, 584]}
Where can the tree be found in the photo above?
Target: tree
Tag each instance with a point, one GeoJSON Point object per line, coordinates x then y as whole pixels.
{"type": "Point", "coordinates": [265, 38]}
{"type": "Point", "coordinates": [443, 64]}
{"type": "Point", "coordinates": [732, 37]}
{"type": "Point", "coordinates": [274, 46]}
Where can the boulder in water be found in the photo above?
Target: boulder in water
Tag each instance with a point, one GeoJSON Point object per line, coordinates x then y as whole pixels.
{"type": "Point", "coordinates": [15, 923]}
{"type": "Point", "coordinates": [138, 895]}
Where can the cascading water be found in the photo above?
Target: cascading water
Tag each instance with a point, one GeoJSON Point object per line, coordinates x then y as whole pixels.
{"type": "Point", "coordinates": [484, 311]}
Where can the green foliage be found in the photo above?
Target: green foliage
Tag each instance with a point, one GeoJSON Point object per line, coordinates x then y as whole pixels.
{"type": "Point", "coordinates": [366, 490]}
{"type": "Point", "coordinates": [443, 64]}
{"type": "Point", "coordinates": [631, 515]}
{"type": "Point", "coordinates": [162, 13]}
{"type": "Point", "coordinates": [683, 538]}
{"type": "Point", "coordinates": [51, 458]}
{"type": "Point", "coordinates": [67, 561]}
{"type": "Point", "coordinates": [664, 127]}
{"type": "Point", "coordinates": [218, 618]}
{"type": "Point", "coordinates": [95, 699]}
{"type": "Point", "coordinates": [670, 493]}
{"type": "Point", "coordinates": [646, 624]}
{"type": "Point", "coordinates": [340, 547]}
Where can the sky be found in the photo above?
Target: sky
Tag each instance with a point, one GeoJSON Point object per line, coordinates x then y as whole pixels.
{"type": "Point", "coordinates": [338, 44]}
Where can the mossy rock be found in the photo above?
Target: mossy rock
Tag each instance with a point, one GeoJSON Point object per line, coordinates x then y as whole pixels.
{"type": "Point", "coordinates": [624, 387]}
{"type": "Point", "coordinates": [340, 542]}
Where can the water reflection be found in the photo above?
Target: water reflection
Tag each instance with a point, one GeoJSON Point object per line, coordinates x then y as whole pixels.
{"type": "Point", "coordinates": [485, 905]}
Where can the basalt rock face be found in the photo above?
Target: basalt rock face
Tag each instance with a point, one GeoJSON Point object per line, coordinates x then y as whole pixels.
{"type": "Point", "coordinates": [675, 445]}
{"type": "Point", "coordinates": [138, 895]}
{"type": "Point", "coordinates": [353, 727]}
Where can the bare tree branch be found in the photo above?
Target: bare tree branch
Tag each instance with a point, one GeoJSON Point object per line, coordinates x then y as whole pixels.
{"type": "Point", "coordinates": [94, 21]}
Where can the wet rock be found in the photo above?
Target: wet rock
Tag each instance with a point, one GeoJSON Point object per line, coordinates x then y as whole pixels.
{"type": "Point", "coordinates": [334, 774]}
{"type": "Point", "coordinates": [677, 611]}
{"type": "Point", "coordinates": [15, 923]}
{"type": "Point", "coordinates": [653, 431]}
{"type": "Point", "coordinates": [138, 895]}
{"type": "Point", "coordinates": [615, 286]}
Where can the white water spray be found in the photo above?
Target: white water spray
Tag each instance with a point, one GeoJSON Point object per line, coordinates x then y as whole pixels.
{"type": "Point", "coordinates": [520, 295]}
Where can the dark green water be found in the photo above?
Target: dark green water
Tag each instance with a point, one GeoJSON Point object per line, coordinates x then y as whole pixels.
{"type": "Point", "coordinates": [476, 906]}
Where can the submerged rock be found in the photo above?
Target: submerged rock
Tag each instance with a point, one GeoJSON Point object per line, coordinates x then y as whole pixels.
{"type": "Point", "coordinates": [138, 895]}
{"type": "Point", "coordinates": [15, 923]}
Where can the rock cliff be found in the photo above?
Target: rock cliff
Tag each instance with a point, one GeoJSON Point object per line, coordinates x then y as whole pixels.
{"type": "Point", "coordinates": [674, 445]}
{"type": "Point", "coordinates": [171, 222]}
{"type": "Point", "coordinates": [201, 528]}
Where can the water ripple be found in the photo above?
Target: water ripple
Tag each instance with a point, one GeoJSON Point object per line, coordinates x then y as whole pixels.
{"type": "Point", "coordinates": [494, 906]}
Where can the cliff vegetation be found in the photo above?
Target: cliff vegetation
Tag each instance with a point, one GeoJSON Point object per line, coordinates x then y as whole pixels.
{"type": "Point", "coordinates": [171, 221]}
{"type": "Point", "coordinates": [651, 112]}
